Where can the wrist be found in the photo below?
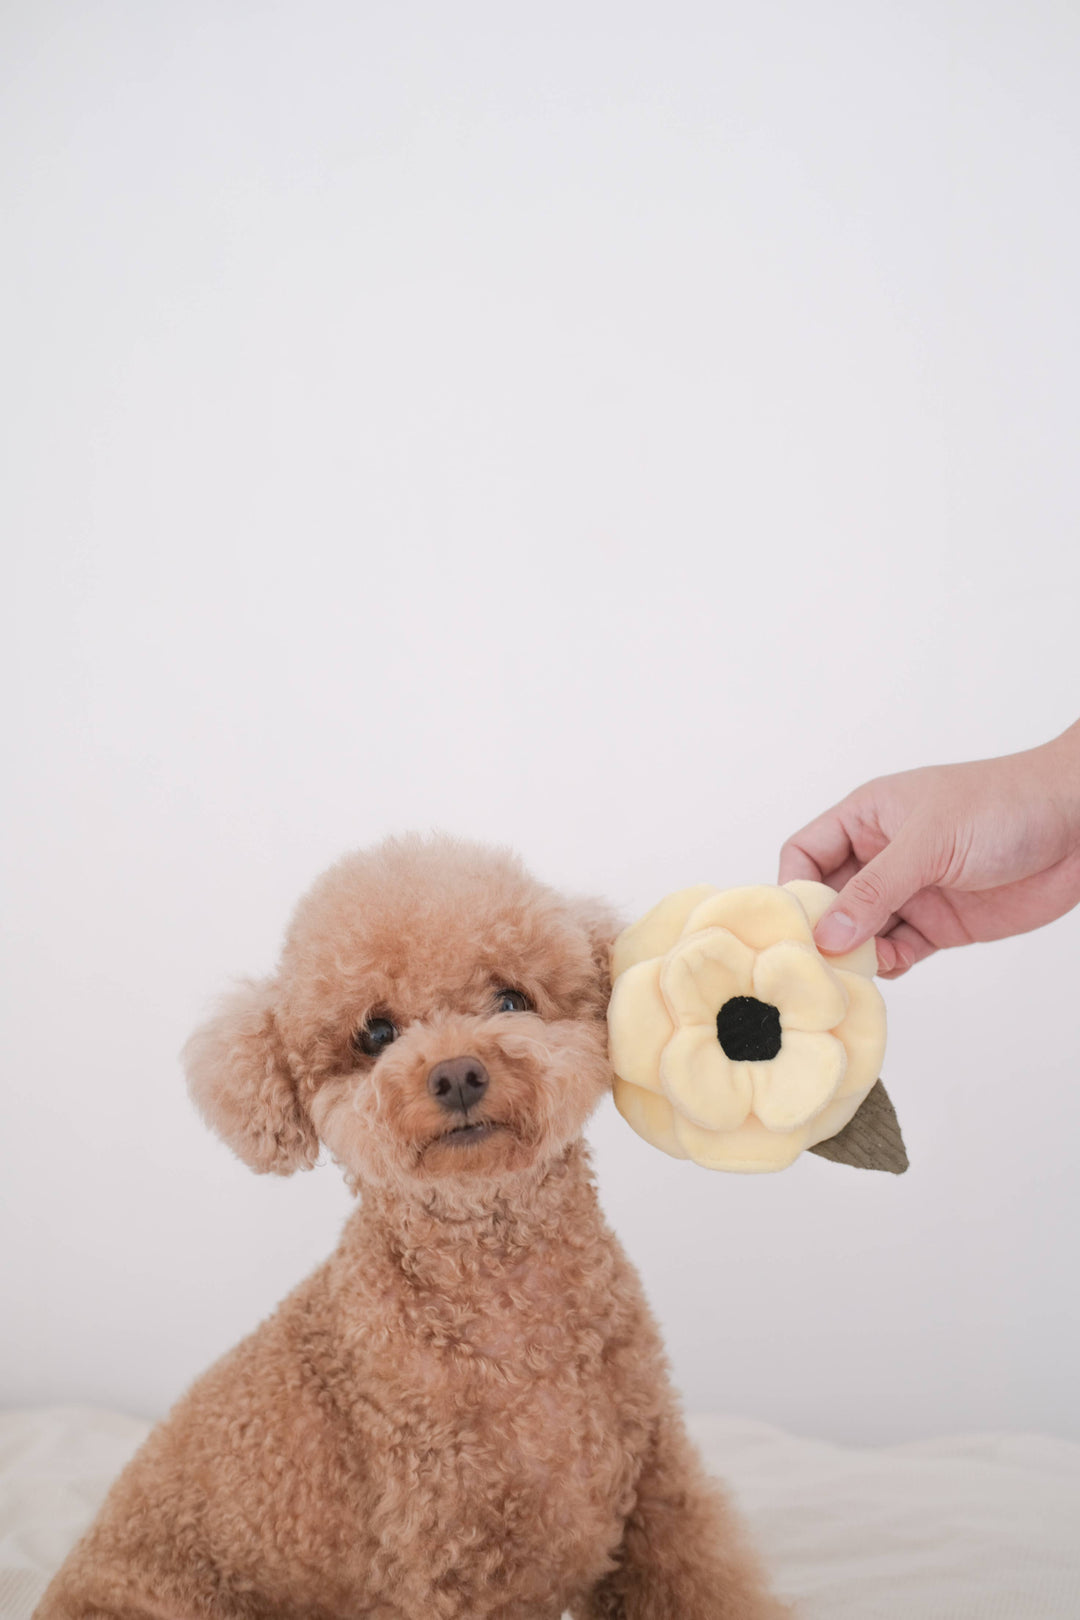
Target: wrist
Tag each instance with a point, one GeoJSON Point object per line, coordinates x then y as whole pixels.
{"type": "Point", "coordinates": [1061, 760]}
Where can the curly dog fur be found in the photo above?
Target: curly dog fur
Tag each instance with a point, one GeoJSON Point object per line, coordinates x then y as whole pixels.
{"type": "Point", "coordinates": [466, 1411]}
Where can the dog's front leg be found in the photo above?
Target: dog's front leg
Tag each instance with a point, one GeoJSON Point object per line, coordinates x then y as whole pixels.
{"type": "Point", "coordinates": [683, 1555]}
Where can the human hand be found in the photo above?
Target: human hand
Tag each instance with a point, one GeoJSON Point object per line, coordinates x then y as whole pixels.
{"type": "Point", "coordinates": [948, 854]}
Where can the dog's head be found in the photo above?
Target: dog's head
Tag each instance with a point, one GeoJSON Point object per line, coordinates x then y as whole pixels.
{"type": "Point", "coordinates": [436, 1014]}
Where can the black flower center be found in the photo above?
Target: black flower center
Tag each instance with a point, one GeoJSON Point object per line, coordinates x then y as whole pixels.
{"type": "Point", "coordinates": [748, 1029]}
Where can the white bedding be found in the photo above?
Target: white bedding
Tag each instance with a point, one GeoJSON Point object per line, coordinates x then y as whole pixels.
{"type": "Point", "coordinates": [972, 1527]}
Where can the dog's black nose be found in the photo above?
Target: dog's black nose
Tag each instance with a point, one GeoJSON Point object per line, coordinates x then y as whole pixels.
{"type": "Point", "coordinates": [458, 1083]}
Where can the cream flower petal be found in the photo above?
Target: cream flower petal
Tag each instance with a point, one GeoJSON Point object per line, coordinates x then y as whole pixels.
{"type": "Point", "coordinates": [702, 1081]}
{"type": "Point", "coordinates": [832, 1119]}
{"type": "Point", "coordinates": [792, 977]}
{"type": "Point", "coordinates": [805, 1074]}
{"type": "Point", "coordinates": [657, 931]}
{"type": "Point", "coordinates": [650, 1115]}
{"type": "Point", "coordinates": [699, 976]}
{"type": "Point", "coordinates": [751, 1148]}
{"type": "Point", "coordinates": [758, 915]}
{"type": "Point", "coordinates": [815, 899]}
{"type": "Point", "coordinates": [639, 1026]}
{"type": "Point", "coordinates": [863, 1034]}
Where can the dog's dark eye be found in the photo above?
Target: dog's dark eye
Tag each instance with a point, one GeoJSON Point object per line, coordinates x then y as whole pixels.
{"type": "Point", "coordinates": [512, 1001]}
{"type": "Point", "coordinates": [375, 1036]}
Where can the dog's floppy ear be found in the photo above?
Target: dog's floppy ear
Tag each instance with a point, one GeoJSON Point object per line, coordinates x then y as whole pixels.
{"type": "Point", "coordinates": [239, 1078]}
{"type": "Point", "coordinates": [601, 927]}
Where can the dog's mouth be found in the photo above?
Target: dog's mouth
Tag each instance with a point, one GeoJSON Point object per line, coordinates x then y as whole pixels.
{"type": "Point", "coordinates": [477, 1130]}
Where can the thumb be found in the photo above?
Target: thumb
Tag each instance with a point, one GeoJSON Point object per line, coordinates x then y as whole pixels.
{"type": "Point", "coordinates": [867, 901]}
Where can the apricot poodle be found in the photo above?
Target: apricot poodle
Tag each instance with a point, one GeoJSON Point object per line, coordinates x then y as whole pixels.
{"type": "Point", "coordinates": [465, 1412]}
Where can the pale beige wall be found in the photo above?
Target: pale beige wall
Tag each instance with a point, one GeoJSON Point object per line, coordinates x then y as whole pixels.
{"type": "Point", "coordinates": [615, 430]}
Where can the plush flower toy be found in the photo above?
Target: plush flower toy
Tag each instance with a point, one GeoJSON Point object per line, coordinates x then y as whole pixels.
{"type": "Point", "coordinates": [735, 1043]}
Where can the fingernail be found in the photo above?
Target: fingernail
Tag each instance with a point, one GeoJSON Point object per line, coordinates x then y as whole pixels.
{"type": "Point", "coordinates": [834, 931]}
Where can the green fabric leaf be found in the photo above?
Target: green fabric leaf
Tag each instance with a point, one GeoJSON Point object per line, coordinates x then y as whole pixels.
{"type": "Point", "coordinates": [871, 1139]}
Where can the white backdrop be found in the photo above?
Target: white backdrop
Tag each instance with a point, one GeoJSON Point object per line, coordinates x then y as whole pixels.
{"type": "Point", "coordinates": [612, 429]}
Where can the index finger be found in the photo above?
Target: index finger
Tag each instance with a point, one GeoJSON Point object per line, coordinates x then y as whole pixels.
{"type": "Point", "coordinates": [817, 849]}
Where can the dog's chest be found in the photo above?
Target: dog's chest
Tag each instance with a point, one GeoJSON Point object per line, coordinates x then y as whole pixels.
{"type": "Point", "coordinates": [516, 1374]}
{"type": "Point", "coordinates": [507, 1439]}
